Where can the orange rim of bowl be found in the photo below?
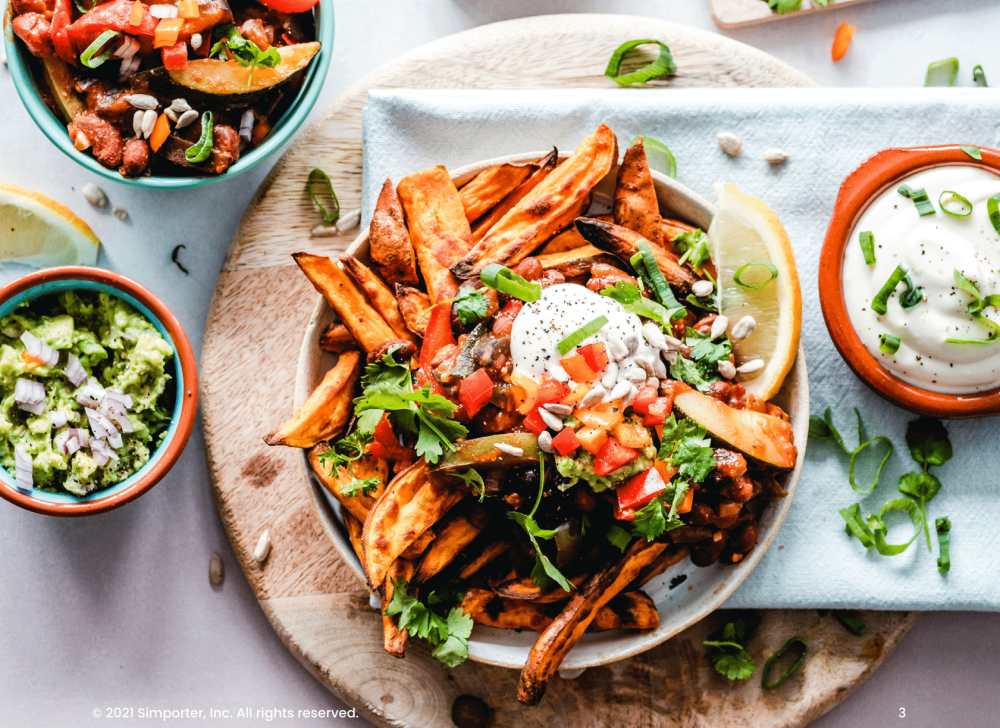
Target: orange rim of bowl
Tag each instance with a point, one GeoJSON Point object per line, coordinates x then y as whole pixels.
{"type": "Point", "coordinates": [861, 187]}
{"type": "Point", "coordinates": [185, 360]}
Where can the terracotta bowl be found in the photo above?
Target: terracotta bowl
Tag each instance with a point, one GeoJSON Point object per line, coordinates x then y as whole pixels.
{"type": "Point", "coordinates": [703, 590]}
{"type": "Point", "coordinates": [862, 186]}
{"type": "Point", "coordinates": [182, 368]}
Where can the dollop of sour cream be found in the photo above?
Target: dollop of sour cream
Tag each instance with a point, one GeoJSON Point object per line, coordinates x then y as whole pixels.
{"type": "Point", "coordinates": [932, 247]}
{"type": "Point", "coordinates": [563, 309]}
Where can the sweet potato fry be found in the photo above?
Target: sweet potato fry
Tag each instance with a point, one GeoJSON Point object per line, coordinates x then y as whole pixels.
{"type": "Point", "coordinates": [337, 338]}
{"type": "Point", "coordinates": [527, 590]}
{"type": "Point", "coordinates": [438, 227]}
{"type": "Point", "coordinates": [576, 262]}
{"type": "Point", "coordinates": [412, 503]}
{"type": "Point", "coordinates": [413, 304]}
{"type": "Point", "coordinates": [636, 206]}
{"type": "Point", "coordinates": [558, 639]}
{"type": "Point", "coordinates": [629, 610]}
{"type": "Point", "coordinates": [568, 239]}
{"type": "Point", "coordinates": [394, 639]}
{"type": "Point", "coordinates": [491, 552]}
{"type": "Point", "coordinates": [488, 188]}
{"type": "Point", "coordinates": [366, 325]}
{"type": "Point", "coordinates": [326, 412]}
{"type": "Point", "coordinates": [391, 250]}
{"type": "Point", "coordinates": [354, 527]}
{"type": "Point", "coordinates": [621, 242]}
{"type": "Point", "coordinates": [670, 556]}
{"type": "Point", "coordinates": [670, 229]}
{"type": "Point", "coordinates": [453, 536]}
{"type": "Point", "coordinates": [379, 295]}
{"type": "Point", "coordinates": [417, 548]}
{"type": "Point", "coordinates": [547, 209]}
{"type": "Point", "coordinates": [367, 467]}
{"type": "Point", "coordinates": [488, 221]}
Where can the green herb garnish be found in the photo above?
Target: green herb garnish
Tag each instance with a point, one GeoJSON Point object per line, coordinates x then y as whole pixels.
{"type": "Point", "coordinates": [920, 199]}
{"type": "Point", "coordinates": [658, 156]}
{"type": "Point", "coordinates": [823, 429]}
{"type": "Point", "coordinates": [888, 344]}
{"type": "Point", "coordinates": [650, 270]}
{"type": "Point", "coordinates": [979, 76]}
{"type": "Point", "coordinates": [867, 241]}
{"type": "Point", "coordinates": [954, 197]}
{"type": "Point", "coordinates": [993, 210]}
{"type": "Point", "coordinates": [581, 334]}
{"type": "Point", "coordinates": [974, 152]}
{"type": "Point", "coordinates": [728, 655]}
{"type": "Point", "coordinates": [737, 276]}
{"type": "Point", "coordinates": [931, 447]}
{"type": "Point", "coordinates": [693, 247]}
{"type": "Point", "coordinates": [794, 642]}
{"type": "Point", "coordinates": [88, 57]}
{"type": "Point", "coordinates": [202, 149]}
{"type": "Point", "coordinates": [943, 527]}
{"type": "Point", "coordinates": [244, 51]}
{"type": "Point", "coordinates": [663, 65]}
{"type": "Point", "coordinates": [503, 279]}
{"type": "Point", "coordinates": [448, 635]}
{"type": "Point", "coordinates": [618, 536]}
{"type": "Point", "coordinates": [907, 300]}
{"type": "Point", "coordinates": [321, 178]}
{"type": "Point", "coordinates": [942, 73]}
{"type": "Point", "coordinates": [975, 309]}
{"type": "Point", "coordinates": [631, 298]}
{"type": "Point", "coordinates": [342, 455]}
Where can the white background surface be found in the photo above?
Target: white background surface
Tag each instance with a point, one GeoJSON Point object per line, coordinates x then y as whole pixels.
{"type": "Point", "coordinates": [116, 610]}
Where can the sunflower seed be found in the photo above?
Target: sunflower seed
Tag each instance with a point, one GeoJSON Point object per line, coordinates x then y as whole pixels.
{"type": "Point", "coordinates": [627, 400]}
{"type": "Point", "coordinates": [186, 119]}
{"type": "Point", "coordinates": [702, 288]}
{"type": "Point", "coordinates": [592, 397]}
{"type": "Point", "coordinates": [563, 410]}
{"type": "Point", "coordinates": [654, 336]}
{"type": "Point", "coordinates": [673, 344]}
{"type": "Point", "coordinates": [172, 115]}
{"type": "Point", "coordinates": [557, 372]}
{"type": "Point", "coordinates": [148, 122]}
{"type": "Point", "coordinates": [550, 419]}
{"type": "Point", "coordinates": [646, 364]}
{"type": "Point", "coordinates": [263, 548]}
{"type": "Point", "coordinates": [729, 142]}
{"type": "Point", "coordinates": [196, 41]}
{"type": "Point", "coordinates": [142, 101]}
{"type": "Point", "coordinates": [120, 212]}
{"type": "Point", "coordinates": [545, 441]}
{"type": "Point", "coordinates": [621, 389]}
{"type": "Point", "coordinates": [617, 350]}
{"type": "Point", "coordinates": [652, 382]}
{"type": "Point", "coordinates": [349, 220]}
{"type": "Point", "coordinates": [635, 375]}
{"type": "Point", "coordinates": [744, 327]}
{"type": "Point", "coordinates": [610, 375]}
{"type": "Point", "coordinates": [719, 327]}
{"type": "Point", "coordinates": [754, 365]}
{"type": "Point", "coordinates": [670, 357]}
{"type": "Point", "coordinates": [216, 572]}
{"type": "Point", "coordinates": [775, 156]}
{"type": "Point", "coordinates": [163, 10]}
{"type": "Point", "coordinates": [509, 449]}
{"type": "Point", "coordinates": [95, 195]}
{"type": "Point", "coordinates": [727, 369]}
{"type": "Point", "coordinates": [632, 342]}
{"type": "Point", "coordinates": [137, 123]}
{"type": "Point", "coordinates": [180, 105]}
{"type": "Point", "coordinates": [659, 368]}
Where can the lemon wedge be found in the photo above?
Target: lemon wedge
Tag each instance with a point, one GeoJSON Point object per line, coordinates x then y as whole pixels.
{"type": "Point", "coordinates": [38, 231]}
{"type": "Point", "coordinates": [745, 230]}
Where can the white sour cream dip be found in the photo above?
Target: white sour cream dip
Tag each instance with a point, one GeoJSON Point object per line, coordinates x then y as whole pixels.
{"type": "Point", "coordinates": [565, 308]}
{"type": "Point", "coordinates": [932, 247]}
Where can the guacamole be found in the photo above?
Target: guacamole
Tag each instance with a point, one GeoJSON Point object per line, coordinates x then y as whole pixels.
{"type": "Point", "coordinates": [581, 467]}
{"type": "Point", "coordinates": [123, 381]}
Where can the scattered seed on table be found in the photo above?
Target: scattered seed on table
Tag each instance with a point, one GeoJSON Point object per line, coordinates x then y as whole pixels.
{"type": "Point", "coordinates": [263, 548]}
{"type": "Point", "coordinates": [216, 571]}
{"type": "Point", "coordinates": [95, 195]}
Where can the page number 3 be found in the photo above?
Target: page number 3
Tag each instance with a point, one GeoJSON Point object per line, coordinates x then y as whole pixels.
{"type": "Point", "coordinates": [902, 712]}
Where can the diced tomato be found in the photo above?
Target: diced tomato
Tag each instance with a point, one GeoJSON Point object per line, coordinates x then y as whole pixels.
{"type": "Point", "coordinates": [604, 416]}
{"type": "Point", "coordinates": [534, 422]}
{"type": "Point", "coordinates": [592, 439]}
{"type": "Point", "coordinates": [524, 389]}
{"type": "Point", "coordinates": [504, 321]}
{"type": "Point", "coordinates": [175, 57]}
{"type": "Point", "coordinates": [579, 392]}
{"type": "Point", "coordinates": [658, 411]}
{"type": "Point", "coordinates": [640, 490]}
{"type": "Point", "coordinates": [424, 377]}
{"type": "Point", "coordinates": [687, 503]}
{"type": "Point", "coordinates": [647, 395]}
{"type": "Point", "coordinates": [595, 355]}
{"type": "Point", "coordinates": [438, 333]}
{"type": "Point", "coordinates": [632, 434]}
{"type": "Point", "coordinates": [62, 16]}
{"type": "Point", "coordinates": [476, 390]}
{"type": "Point", "coordinates": [114, 15]}
{"type": "Point", "coordinates": [612, 456]}
{"type": "Point", "coordinates": [565, 442]}
{"type": "Point", "coordinates": [550, 391]}
{"type": "Point", "coordinates": [289, 6]}
{"type": "Point", "coordinates": [624, 514]}
{"type": "Point", "coordinates": [578, 369]}
{"type": "Point", "coordinates": [387, 446]}
{"type": "Point", "coordinates": [666, 471]}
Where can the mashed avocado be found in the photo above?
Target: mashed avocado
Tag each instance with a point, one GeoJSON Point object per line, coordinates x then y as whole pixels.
{"type": "Point", "coordinates": [581, 467]}
{"type": "Point", "coordinates": [120, 349]}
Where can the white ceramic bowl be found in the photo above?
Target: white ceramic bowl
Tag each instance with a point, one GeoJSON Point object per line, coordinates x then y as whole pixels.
{"type": "Point", "coordinates": [702, 592]}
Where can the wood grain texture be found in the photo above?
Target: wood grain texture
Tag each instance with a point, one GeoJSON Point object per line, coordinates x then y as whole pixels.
{"type": "Point", "coordinates": [737, 13]}
{"type": "Point", "coordinates": [262, 305]}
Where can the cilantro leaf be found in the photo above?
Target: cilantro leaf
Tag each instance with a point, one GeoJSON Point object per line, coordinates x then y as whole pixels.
{"type": "Point", "coordinates": [685, 446]}
{"type": "Point", "coordinates": [823, 429]}
{"type": "Point", "coordinates": [472, 478]}
{"type": "Point", "coordinates": [618, 536]}
{"type": "Point", "coordinates": [922, 487]}
{"type": "Point", "coordinates": [244, 51]}
{"type": "Point", "coordinates": [631, 298]}
{"type": "Point", "coordinates": [693, 248]}
{"type": "Point", "coordinates": [471, 305]}
{"type": "Point", "coordinates": [455, 649]}
{"type": "Point", "coordinates": [785, 6]}
{"type": "Point", "coordinates": [655, 519]}
{"type": "Point", "coordinates": [928, 442]}
{"type": "Point", "coordinates": [690, 373]}
{"type": "Point", "coordinates": [731, 660]}
{"type": "Point", "coordinates": [448, 636]}
{"type": "Point", "coordinates": [359, 486]}
{"type": "Point", "coordinates": [342, 455]}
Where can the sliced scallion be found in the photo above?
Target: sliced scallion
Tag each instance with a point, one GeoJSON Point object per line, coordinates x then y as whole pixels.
{"type": "Point", "coordinates": [920, 199]}
{"type": "Point", "coordinates": [663, 65]}
{"type": "Point", "coordinates": [738, 275]}
{"type": "Point", "coordinates": [943, 527]}
{"type": "Point", "coordinates": [794, 642]}
{"type": "Point", "coordinates": [953, 198]}
{"type": "Point", "coordinates": [658, 157]}
{"type": "Point", "coordinates": [979, 76]}
{"type": "Point", "coordinates": [993, 210]}
{"type": "Point", "coordinates": [850, 622]}
{"type": "Point", "coordinates": [867, 241]}
{"type": "Point", "coordinates": [942, 73]}
{"type": "Point", "coordinates": [910, 298]}
{"type": "Point", "coordinates": [975, 309]}
{"type": "Point", "coordinates": [974, 152]}
{"type": "Point", "coordinates": [503, 279]}
{"type": "Point", "coordinates": [202, 149]}
{"type": "Point", "coordinates": [88, 57]}
{"type": "Point", "coordinates": [879, 528]}
{"type": "Point", "coordinates": [577, 337]}
{"type": "Point", "coordinates": [888, 344]}
{"type": "Point", "coordinates": [321, 178]}
{"type": "Point", "coordinates": [658, 282]}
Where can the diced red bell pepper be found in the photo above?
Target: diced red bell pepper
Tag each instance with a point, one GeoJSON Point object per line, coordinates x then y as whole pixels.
{"type": "Point", "coordinates": [424, 377]}
{"type": "Point", "coordinates": [504, 321]}
{"type": "Point", "coordinates": [550, 391]}
{"type": "Point", "coordinates": [62, 16]}
{"type": "Point", "coordinates": [647, 395]}
{"type": "Point", "coordinates": [658, 411]}
{"type": "Point", "coordinates": [476, 390]}
{"type": "Point", "coordinates": [386, 446]}
{"type": "Point", "coordinates": [289, 6]}
{"type": "Point", "coordinates": [438, 333]}
{"type": "Point", "coordinates": [534, 422]}
{"type": "Point", "coordinates": [175, 57]}
{"type": "Point", "coordinates": [612, 456]}
{"type": "Point", "coordinates": [641, 489]}
{"type": "Point", "coordinates": [109, 16]}
{"type": "Point", "coordinates": [595, 354]}
{"type": "Point", "coordinates": [565, 442]}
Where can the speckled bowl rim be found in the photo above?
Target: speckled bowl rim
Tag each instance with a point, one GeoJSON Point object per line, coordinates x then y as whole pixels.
{"type": "Point", "coordinates": [614, 645]}
{"type": "Point", "coordinates": [861, 187]}
{"type": "Point", "coordinates": [54, 128]}
{"type": "Point", "coordinates": [50, 280]}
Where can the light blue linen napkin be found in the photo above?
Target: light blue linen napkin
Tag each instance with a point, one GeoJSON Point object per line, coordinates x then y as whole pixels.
{"type": "Point", "coordinates": [826, 133]}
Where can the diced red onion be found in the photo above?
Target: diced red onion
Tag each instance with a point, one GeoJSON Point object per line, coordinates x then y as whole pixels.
{"type": "Point", "coordinates": [163, 10]}
{"type": "Point", "coordinates": [90, 395]}
{"type": "Point", "coordinates": [61, 439]}
{"type": "Point", "coordinates": [38, 349]}
{"type": "Point", "coordinates": [100, 425]}
{"type": "Point", "coordinates": [115, 440]}
{"type": "Point", "coordinates": [129, 67]}
{"type": "Point", "coordinates": [24, 477]}
{"type": "Point", "coordinates": [72, 445]}
{"type": "Point", "coordinates": [74, 371]}
{"type": "Point", "coordinates": [82, 436]}
{"type": "Point", "coordinates": [28, 392]}
{"type": "Point", "coordinates": [115, 405]}
{"type": "Point", "coordinates": [102, 452]}
{"type": "Point", "coordinates": [119, 396]}
{"type": "Point", "coordinates": [58, 418]}
{"type": "Point", "coordinates": [246, 125]}
{"type": "Point", "coordinates": [128, 48]}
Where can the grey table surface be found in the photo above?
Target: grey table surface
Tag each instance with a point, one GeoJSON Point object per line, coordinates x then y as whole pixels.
{"type": "Point", "coordinates": [115, 611]}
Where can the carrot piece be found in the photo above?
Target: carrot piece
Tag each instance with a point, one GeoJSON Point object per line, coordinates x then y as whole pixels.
{"type": "Point", "coordinates": [687, 503]}
{"type": "Point", "coordinates": [135, 19]}
{"type": "Point", "coordinates": [842, 41]}
{"type": "Point", "coordinates": [259, 132]}
{"type": "Point", "coordinates": [161, 131]}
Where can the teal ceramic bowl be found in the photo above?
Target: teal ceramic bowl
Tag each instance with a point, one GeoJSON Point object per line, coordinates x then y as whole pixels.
{"type": "Point", "coordinates": [54, 128]}
{"type": "Point", "coordinates": [182, 368]}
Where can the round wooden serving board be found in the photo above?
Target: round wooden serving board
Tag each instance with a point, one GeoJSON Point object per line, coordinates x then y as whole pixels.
{"type": "Point", "coordinates": [261, 308]}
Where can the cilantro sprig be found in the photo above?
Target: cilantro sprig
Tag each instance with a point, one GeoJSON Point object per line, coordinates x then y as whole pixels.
{"type": "Point", "coordinates": [685, 446]}
{"type": "Point", "coordinates": [693, 249]}
{"type": "Point", "coordinates": [342, 455]}
{"type": "Point", "coordinates": [931, 447]}
{"type": "Point", "coordinates": [729, 655]}
{"type": "Point", "coordinates": [244, 51]}
{"type": "Point", "coordinates": [472, 305]}
{"type": "Point", "coordinates": [448, 635]}
{"type": "Point", "coordinates": [702, 368]}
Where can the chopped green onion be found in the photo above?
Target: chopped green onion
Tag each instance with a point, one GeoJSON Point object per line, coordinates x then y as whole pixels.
{"type": "Point", "coordinates": [659, 284]}
{"type": "Point", "coordinates": [88, 58]}
{"type": "Point", "coordinates": [849, 622]}
{"type": "Point", "coordinates": [774, 274]}
{"type": "Point", "coordinates": [867, 241]}
{"type": "Point", "coordinates": [993, 210]}
{"type": "Point", "coordinates": [943, 526]}
{"type": "Point", "coordinates": [920, 199]}
{"type": "Point", "coordinates": [910, 298]}
{"type": "Point", "coordinates": [972, 151]}
{"type": "Point", "coordinates": [503, 279]}
{"type": "Point", "coordinates": [658, 157]}
{"type": "Point", "coordinates": [942, 73]}
{"type": "Point", "coordinates": [953, 198]}
{"type": "Point", "coordinates": [978, 76]}
{"type": "Point", "coordinates": [570, 342]}
{"type": "Point", "coordinates": [663, 65]}
{"type": "Point", "coordinates": [888, 344]}
{"type": "Point", "coordinates": [793, 642]}
{"type": "Point", "coordinates": [318, 176]}
{"type": "Point", "coordinates": [975, 310]}
{"type": "Point", "coordinates": [906, 505]}
{"type": "Point", "coordinates": [856, 525]}
{"type": "Point", "coordinates": [201, 150]}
